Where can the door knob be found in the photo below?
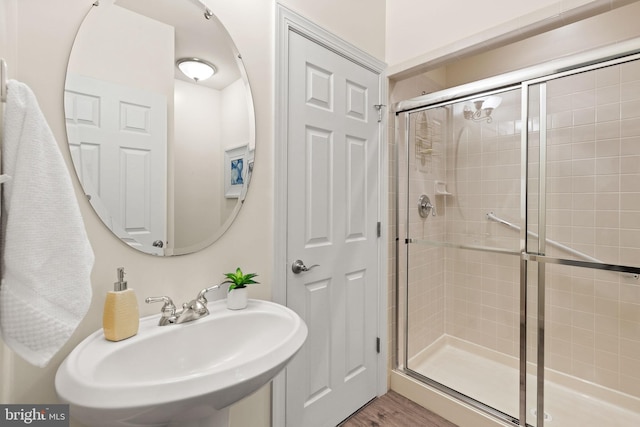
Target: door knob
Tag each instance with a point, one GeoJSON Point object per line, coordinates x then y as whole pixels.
{"type": "Point", "coordinates": [298, 266]}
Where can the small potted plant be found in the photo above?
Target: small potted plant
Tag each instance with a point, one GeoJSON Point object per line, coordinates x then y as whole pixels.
{"type": "Point", "coordinates": [237, 294]}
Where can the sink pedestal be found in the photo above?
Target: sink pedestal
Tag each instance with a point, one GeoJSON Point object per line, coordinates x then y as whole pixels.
{"type": "Point", "coordinates": [203, 417]}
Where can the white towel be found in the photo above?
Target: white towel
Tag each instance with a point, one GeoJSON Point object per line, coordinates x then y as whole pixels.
{"type": "Point", "coordinates": [47, 258]}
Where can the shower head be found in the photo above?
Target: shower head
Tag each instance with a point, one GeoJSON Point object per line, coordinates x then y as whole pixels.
{"type": "Point", "coordinates": [483, 108]}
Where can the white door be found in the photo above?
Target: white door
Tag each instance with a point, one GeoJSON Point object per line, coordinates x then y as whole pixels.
{"type": "Point", "coordinates": [118, 141]}
{"type": "Point", "coordinates": [333, 142]}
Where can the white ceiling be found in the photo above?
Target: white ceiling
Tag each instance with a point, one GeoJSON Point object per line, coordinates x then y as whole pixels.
{"type": "Point", "coordinates": [195, 35]}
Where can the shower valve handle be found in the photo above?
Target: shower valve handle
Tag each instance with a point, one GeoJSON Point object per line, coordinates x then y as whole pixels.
{"type": "Point", "coordinates": [425, 207]}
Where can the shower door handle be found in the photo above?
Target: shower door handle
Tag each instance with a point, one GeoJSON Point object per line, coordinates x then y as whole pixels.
{"type": "Point", "coordinates": [298, 266]}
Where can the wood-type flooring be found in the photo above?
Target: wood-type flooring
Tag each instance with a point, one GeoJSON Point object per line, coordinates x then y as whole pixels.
{"type": "Point", "coordinates": [394, 410]}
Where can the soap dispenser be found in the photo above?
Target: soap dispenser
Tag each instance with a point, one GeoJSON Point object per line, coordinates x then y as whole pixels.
{"type": "Point", "coordinates": [120, 319]}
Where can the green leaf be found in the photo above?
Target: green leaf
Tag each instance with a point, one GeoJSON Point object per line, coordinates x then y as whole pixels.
{"type": "Point", "coordinates": [239, 280]}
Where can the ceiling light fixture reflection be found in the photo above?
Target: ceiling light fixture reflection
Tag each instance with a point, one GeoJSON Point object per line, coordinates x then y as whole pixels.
{"type": "Point", "coordinates": [196, 69]}
{"type": "Point", "coordinates": [483, 109]}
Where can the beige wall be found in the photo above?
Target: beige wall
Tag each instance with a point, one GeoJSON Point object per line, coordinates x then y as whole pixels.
{"type": "Point", "coordinates": [611, 27]}
{"type": "Point", "coordinates": [360, 22]}
{"type": "Point", "coordinates": [235, 131]}
{"type": "Point", "coordinates": [425, 35]}
{"type": "Point", "coordinates": [94, 56]}
{"type": "Point", "coordinates": [416, 28]}
{"type": "Point", "coordinates": [198, 190]}
{"type": "Point", "coordinates": [8, 30]}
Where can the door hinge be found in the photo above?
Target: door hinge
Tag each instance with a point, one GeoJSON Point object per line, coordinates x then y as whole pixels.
{"type": "Point", "coordinates": [378, 345]}
{"type": "Point", "coordinates": [379, 229]}
{"type": "Point", "coordinates": [379, 108]}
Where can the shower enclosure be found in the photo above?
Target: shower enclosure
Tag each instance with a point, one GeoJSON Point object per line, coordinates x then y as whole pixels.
{"type": "Point", "coordinates": [518, 224]}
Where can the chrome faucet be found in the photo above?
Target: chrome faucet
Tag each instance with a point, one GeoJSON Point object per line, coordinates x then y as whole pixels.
{"type": "Point", "coordinates": [192, 310]}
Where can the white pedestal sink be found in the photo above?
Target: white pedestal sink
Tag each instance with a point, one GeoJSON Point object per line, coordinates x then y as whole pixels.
{"type": "Point", "coordinates": [179, 375]}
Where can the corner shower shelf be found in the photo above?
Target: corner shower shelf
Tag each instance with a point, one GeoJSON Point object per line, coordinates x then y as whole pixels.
{"type": "Point", "coordinates": [440, 189]}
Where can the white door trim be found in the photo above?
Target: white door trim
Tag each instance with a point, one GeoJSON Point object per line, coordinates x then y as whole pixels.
{"type": "Point", "coordinates": [286, 21]}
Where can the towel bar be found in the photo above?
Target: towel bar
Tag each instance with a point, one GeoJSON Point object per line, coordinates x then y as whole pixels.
{"type": "Point", "coordinates": [493, 217]}
{"type": "Point", "coordinates": [3, 80]}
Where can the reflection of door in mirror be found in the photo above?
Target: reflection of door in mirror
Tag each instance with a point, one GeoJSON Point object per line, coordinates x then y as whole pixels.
{"type": "Point", "coordinates": [118, 143]}
{"type": "Point", "coordinates": [158, 180]}
{"type": "Point", "coordinates": [117, 120]}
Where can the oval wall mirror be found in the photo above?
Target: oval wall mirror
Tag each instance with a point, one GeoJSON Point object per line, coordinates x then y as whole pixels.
{"type": "Point", "coordinates": [165, 159]}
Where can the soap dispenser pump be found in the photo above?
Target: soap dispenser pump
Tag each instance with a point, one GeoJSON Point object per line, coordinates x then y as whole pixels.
{"type": "Point", "coordinates": [121, 318]}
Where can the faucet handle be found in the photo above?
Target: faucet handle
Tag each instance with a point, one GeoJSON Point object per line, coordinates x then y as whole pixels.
{"type": "Point", "coordinates": [167, 309]}
{"type": "Point", "coordinates": [201, 295]}
{"type": "Point", "coordinates": [196, 308]}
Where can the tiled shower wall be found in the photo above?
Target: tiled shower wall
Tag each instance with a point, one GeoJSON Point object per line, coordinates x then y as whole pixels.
{"type": "Point", "coordinates": [593, 206]}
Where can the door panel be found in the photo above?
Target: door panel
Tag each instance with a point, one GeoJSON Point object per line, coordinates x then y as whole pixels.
{"type": "Point", "coordinates": [332, 220]}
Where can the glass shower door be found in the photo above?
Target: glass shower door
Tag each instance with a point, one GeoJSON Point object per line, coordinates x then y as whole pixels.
{"type": "Point", "coordinates": [519, 246]}
{"type": "Point", "coordinates": [591, 227]}
{"type": "Point", "coordinates": [462, 178]}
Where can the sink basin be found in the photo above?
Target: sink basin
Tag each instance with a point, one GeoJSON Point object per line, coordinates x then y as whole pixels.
{"type": "Point", "coordinates": [171, 374]}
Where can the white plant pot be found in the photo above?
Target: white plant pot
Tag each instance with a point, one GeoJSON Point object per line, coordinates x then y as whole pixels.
{"type": "Point", "coordinates": [237, 298]}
